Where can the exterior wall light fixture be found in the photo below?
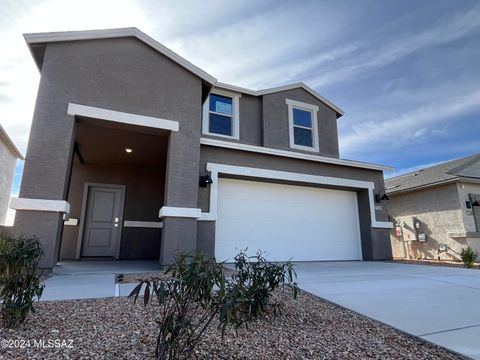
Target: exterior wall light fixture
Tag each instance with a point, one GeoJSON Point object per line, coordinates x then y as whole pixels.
{"type": "Point", "coordinates": [205, 180]}
{"type": "Point", "coordinates": [379, 197]}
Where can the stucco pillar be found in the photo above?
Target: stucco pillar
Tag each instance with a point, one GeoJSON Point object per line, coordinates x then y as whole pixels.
{"type": "Point", "coordinates": [365, 224]}
{"type": "Point", "coordinates": [180, 213]}
{"type": "Point", "coordinates": [46, 173]}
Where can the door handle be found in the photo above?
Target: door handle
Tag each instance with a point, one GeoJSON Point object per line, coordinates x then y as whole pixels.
{"type": "Point", "coordinates": [116, 219]}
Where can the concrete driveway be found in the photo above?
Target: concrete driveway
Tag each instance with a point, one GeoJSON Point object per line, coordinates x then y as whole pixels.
{"type": "Point", "coordinates": [438, 304]}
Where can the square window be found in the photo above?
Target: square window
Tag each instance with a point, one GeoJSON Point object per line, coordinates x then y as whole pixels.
{"type": "Point", "coordinates": [221, 104]}
{"type": "Point", "coordinates": [219, 124]}
{"type": "Point", "coordinates": [302, 137]}
{"type": "Point", "coordinates": [302, 118]}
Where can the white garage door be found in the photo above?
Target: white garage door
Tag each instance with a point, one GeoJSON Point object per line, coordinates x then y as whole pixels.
{"type": "Point", "coordinates": [286, 222]}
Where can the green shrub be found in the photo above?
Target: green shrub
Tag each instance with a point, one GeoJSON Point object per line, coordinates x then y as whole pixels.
{"type": "Point", "coordinates": [468, 256]}
{"type": "Point", "coordinates": [189, 299]}
{"type": "Point", "coordinates": [196, 290]}
{"type": "Point", "coordinates": [253, 283]}
{"type": "Point", "coordinates": [19, 278]}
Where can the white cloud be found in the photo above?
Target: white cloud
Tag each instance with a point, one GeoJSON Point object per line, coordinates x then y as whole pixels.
{"type": "Point", "coordinates": [264, 44]}
{"type": "Point", "coordinates": [377, 54]}
{"type": "Point", "coordinates": [403, 129]}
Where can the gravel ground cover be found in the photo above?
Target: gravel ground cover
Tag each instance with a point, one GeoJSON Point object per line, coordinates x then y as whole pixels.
{"type": "Point", "coordinates": [133, 278]}
{"type": "Point", "coordinates": [309, 328]}
{"type": "Point", "coordinates": [436, 263]}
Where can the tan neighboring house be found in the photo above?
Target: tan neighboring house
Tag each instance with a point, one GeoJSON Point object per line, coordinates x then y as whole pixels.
{"type": "Point", "coordinates": [9, 154]}
{"type": "Point", "coordinates": [436, 211]}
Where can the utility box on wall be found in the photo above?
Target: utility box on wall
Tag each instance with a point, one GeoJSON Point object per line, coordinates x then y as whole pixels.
{"type": "Point", "coordinates": [420, 230]}
{"type": "Point", "coordinates": [408, 232]}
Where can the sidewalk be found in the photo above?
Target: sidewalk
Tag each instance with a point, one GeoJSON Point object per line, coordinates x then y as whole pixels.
{"type": "Point", "coordinates": [92, 279]}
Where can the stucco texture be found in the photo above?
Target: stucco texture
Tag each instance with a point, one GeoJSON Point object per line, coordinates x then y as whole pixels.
{"type": "Point", "coordinates": [116, 74]}
{"type": "Point", "coordinates": [7, 171]}
{"type": "Point", "coordinates": [276, 126]}
{"type": "Point", "coordinates": [439, 212]}
{"type": "Point", "coordinates": [375, 242]}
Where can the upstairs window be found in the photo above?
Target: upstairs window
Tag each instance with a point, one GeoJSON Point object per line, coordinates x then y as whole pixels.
{"type": "Point", "coordinates": [303, 126]}
{"type": "Point", "coordinates": [220, 115]}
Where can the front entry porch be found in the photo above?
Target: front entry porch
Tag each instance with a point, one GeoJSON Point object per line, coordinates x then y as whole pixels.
{"type": "Point", "coordinates": [116, 191]}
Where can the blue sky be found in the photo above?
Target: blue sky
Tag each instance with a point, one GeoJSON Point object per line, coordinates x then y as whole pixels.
{"type": "Point", "coordinates": [405, 72]}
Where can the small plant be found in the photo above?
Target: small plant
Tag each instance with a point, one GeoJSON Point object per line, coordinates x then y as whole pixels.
{"type": "Point", "coordinates": [19, 278]}
{"type": "Point", "coordinates": [254, 282]}
{"type": "Point", "coordinates": [196, 291]}
{"type": "Point", "coordinates": [189, 300]}
{"type": "Point", "coordinates": [468, 256]}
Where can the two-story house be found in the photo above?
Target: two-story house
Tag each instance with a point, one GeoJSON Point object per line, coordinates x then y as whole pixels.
{"type": "Point", "coordinates": [135, 153]}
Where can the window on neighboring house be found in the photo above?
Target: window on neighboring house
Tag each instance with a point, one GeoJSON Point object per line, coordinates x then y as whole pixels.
{"type": "Point", "coordinates": [303, 127]}
{"type": "Point", "coordinates": [220, 115]}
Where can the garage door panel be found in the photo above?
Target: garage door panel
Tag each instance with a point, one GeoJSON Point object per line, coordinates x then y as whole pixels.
{"type": "Point", "coordinates": [286, 221]}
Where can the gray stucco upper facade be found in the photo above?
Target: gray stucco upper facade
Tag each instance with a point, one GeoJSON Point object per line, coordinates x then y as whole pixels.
{"type": "Point", "coordinates": [136, 77]}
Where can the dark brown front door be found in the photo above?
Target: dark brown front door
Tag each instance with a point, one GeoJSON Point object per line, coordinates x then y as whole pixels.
{"type": "Point", "coordinates": [103, 221]}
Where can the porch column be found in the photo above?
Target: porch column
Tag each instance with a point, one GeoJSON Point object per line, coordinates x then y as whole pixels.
{"type": "Point", "coordinates": [180, 213]}
{"type": "Point", "coordinates": [46, 176]}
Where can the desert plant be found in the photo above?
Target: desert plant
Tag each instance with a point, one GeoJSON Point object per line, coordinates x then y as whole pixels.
{"type": "Point", "coordinates": [196, 290]}
{"type": "Point", "coordinates": [189, 300]}
{"type": "Point", "coordinates": [468, 256]}
{"type": "Point", "coordinates": [19, 278]}
{"type": "Point", "coordinates": [253, 283]}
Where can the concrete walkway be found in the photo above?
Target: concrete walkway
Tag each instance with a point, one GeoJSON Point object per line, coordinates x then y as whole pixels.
{"type": "Point", "coordinates": [92, 279]}
{"type": "Point", "coordinates": [439, 304]}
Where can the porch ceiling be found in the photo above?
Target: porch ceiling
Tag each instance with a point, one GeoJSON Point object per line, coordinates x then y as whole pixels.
{"type": "Point", "coordinates": [104, 144]}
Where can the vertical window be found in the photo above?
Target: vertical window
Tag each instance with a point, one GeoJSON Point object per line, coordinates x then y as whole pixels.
{"type": "Point", "coordinates": [303, 127]}
{"type": "Point", "coordinates": [220, 115]}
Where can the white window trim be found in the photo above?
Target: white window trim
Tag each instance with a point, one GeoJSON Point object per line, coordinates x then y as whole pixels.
{"type": "Point", "coordinates": [313, 109]}
{"type": "Point", "coordinates": [216, 169]}
{"type": "Point", "coordinates": [235, 116]}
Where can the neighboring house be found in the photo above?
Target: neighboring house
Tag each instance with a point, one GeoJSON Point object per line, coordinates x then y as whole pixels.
{"type": "Point", "coordinates": [9, 154]}
{"type": "Point", "coordinates": [144, 154]}
{"type": "Point", "coordinates": [436, 210]}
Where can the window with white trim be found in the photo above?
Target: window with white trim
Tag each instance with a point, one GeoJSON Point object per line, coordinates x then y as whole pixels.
{"type": "Point", "coordinates": [221, 115]}
{"type": "Point", "coordinates": [303, 125]}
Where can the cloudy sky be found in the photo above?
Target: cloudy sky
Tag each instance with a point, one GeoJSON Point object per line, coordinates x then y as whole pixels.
{"type": "Point", "coordinates": [407, 73]}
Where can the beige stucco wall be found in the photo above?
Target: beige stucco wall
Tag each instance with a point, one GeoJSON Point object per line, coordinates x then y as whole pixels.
{"type": "Point", "coordinates": [440, 213]}
{"type": "Point", "coordinates": [463, 190]}
{"type": "Point", "coordinates": [7, 170]}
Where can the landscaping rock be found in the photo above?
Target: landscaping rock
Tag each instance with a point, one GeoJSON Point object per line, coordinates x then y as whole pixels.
{"type": "Point", "coordinates": [308, 328]}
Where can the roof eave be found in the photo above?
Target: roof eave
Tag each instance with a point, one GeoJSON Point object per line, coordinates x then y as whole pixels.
{"type": "Point", "coordinates": [424, 186]}
{"type": "Point", "coordinates": [301, 85]}
{"type": "Point", "coordinates": [41, 39]}
{"type": "Point", "coordinates": [44, 38]}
